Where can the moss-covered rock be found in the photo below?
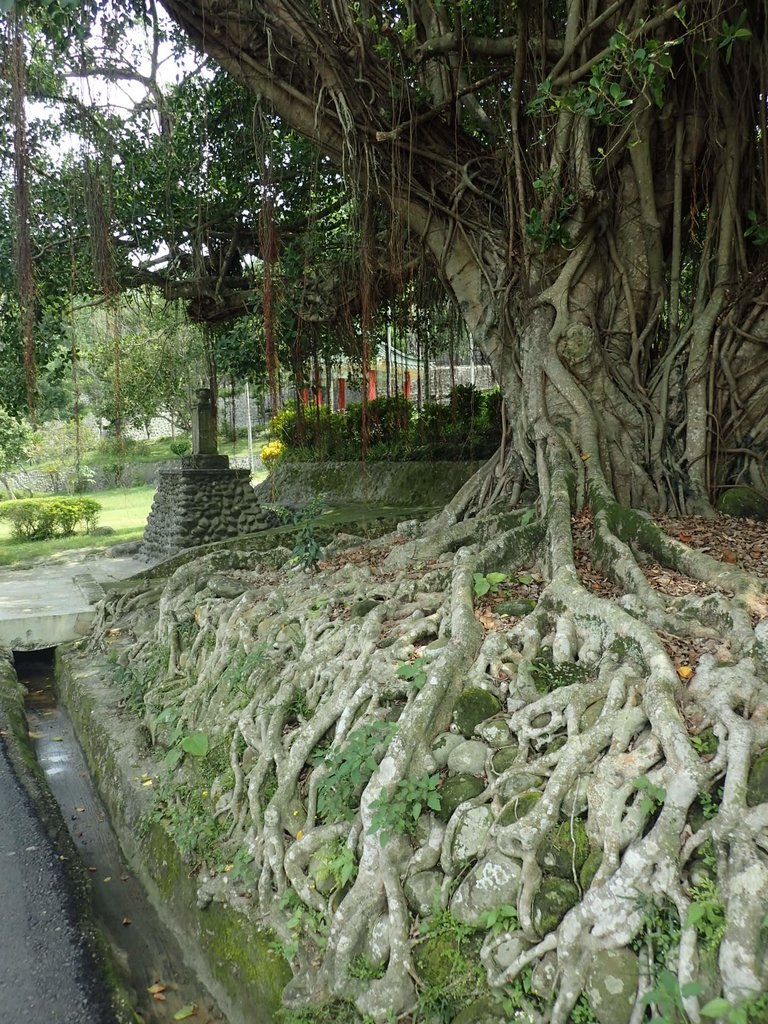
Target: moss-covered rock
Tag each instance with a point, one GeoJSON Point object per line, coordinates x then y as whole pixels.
{"type": "Point", "coordinates": [757, 783]}
{"type": "Point", "coordinates": [519, 806]}
{"type": "Point", "coordinates": [552, 902]}
{"type": "Point", "coordinates": [745, 502]}
{"type": "Point", "coordinates": [496, 733]}
{"type": "Point", "coordinates": [503, 758]}
{"type": "Point", "coordinates": [440, 957]}
{"type": "Point", "coordinates": [472, 707]}
{"type": "Point", "coordinates": [517, 608]}
{"type": "Point", "coordinates": [361, 608]}
{"type": "Point", "coordinates": [590, 868]}
{"type": "Point", "coordinates": [591, 715]}
{"type": "Point", "coordinates": [471, 833]}
{"type": "Point", "coordinates": [485, 1010]}
{"type": "Point", "coordinates": [456, 790]}
{"type": "Point", "coordinates": [564, 850]}
{"type": "Point", "coordinates": [612, 985]}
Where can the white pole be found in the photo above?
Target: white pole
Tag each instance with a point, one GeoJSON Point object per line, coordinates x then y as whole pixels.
{"type": "Point", "coordinates": [250, 426]}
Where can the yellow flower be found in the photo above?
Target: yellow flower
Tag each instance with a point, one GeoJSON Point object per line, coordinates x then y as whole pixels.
{"type": "Point", "coordinates": [272, 452]}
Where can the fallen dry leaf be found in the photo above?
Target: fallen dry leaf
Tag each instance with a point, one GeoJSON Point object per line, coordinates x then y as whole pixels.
{"type": "Point", "coordinates": [684, 671]}
{"type": "Point", "coordinates": [157, 987]}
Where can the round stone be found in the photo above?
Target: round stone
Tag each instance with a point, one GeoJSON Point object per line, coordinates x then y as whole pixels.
{"type": "Point", "coordinates": [612, 985]}
{"type": "Point", "coordinates": [552, 902]}
{"type": "Point", "coordinates": [456, 790]}
{"type": "Point", "coordinates": [468, 758]}
{"type": "Point", "coordinates": [493, 882]}
{"type": "Point", "coordinates": [443, 745]}
{"type": "Point", "coordinates": [472, 707]}
{"type": "Point", "coordinates": [519, 806]}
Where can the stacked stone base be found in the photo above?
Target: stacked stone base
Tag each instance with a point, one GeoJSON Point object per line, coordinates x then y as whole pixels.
{"type": "Point", "coordinates": [199, 502]}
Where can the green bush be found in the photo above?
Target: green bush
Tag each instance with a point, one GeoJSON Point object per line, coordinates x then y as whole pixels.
{"type": "Point", "coordinates": [41, 518]}
{"type": "Point", "coordinates": [180, 446]}
{"type": "Point", "coordinates": [468, 427]}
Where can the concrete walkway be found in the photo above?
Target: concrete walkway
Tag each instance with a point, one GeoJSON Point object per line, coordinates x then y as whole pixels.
{"type": "Point", "coordinates": [49, 603]}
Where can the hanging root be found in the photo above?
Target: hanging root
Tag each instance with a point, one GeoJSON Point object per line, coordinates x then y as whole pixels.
{"type": "Point", "coordinates": [386, 749]}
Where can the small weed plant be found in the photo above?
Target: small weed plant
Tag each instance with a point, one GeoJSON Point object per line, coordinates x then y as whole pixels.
{"type": "Point", "coordinates": [653, 795]}
{"type": "Point", "coordinates": [414, 672]}
{"type": "Point", "coordinates": [303, 922]}
{"type": "Point", "coordinates": [348, 769]}
{"type": "Point", "coordinates": [707, 914]}
{"type": "Point", "coordinates": [487, 583]}
{"type": "Point", "coordinates": [398, 813]}
{"type": "Point", "coordinates": [339, 864]}
{"type": "Point", "coordinates": [500, 919]}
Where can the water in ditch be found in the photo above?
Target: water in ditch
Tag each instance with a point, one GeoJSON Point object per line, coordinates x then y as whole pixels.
{"type": "Point", "coordinates": [148, 956]}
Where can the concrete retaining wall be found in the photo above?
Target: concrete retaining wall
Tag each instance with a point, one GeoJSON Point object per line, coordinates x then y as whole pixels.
{"type": "Point", "coordinates": [233, 958]}
{"type": "Point", "coordinates": [388, 483]}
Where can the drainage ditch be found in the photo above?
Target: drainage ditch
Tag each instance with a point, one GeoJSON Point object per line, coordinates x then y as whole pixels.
{"type": "Point", "coordinates": [147, 954]}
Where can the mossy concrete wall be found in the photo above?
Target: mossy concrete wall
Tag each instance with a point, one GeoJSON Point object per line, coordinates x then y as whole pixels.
{"type": "Point", "coordinates": [387, 483]}
{"type": "Point", "coordinates": [231, 956]}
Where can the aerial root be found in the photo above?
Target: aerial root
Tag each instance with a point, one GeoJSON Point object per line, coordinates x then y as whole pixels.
{"type": "Point", "coordinates": [298, 671]}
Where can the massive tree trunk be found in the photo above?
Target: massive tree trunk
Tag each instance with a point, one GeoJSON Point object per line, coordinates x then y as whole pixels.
{"type": "Point", "coordinates": [583, 179]}
{"type": "Point", "coordinates": [608, 178]}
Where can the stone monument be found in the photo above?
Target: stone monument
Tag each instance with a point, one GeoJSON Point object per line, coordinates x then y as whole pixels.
{"type": "Point", "coordinates": [201, 499]}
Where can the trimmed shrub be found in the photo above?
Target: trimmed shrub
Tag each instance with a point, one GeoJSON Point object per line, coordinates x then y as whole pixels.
{"type": "Point", "coordinates": [42, 518]}
{"type": "Point", "coordinates": [180, 446]}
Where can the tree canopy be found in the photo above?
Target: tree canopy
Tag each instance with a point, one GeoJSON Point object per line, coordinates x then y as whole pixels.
{"type": "Point", "coordinates": [591, 182]}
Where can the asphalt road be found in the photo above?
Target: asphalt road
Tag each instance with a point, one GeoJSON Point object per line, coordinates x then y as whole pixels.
{"type": "Point", "coordinates": [47, 975]}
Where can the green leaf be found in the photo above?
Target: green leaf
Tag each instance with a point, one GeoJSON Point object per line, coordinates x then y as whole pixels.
{"type": "Point", "coordinates": [186, 1011]}
{"type": "Point", "coordinates": [715, 1008]}
{"type": "Point", "coordinates": [691, 988]}
{"type": "Point", "coordinates": [525, 579]}
{"type": "Point", "coordinates": [695, 913]}
{"type": "Point", "coordinates": [410, 669]}
{"type": "Point", "coordinates": [172, 758]}
{"type": "Point", "coordinates": [481, 584]}
{"type": "Point", "coordinates": [494, 578]}
{"type": "Point", "coordinates": [195, 744]}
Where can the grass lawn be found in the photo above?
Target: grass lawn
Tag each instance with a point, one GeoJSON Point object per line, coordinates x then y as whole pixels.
{"type": "Point", "coordinates": [125, 509]}
{"type": "Point", "coordinates": [159, 450]}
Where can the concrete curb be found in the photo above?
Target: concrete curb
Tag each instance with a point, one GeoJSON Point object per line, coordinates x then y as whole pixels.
{"type": "Point", "coordinates": [230, 955]}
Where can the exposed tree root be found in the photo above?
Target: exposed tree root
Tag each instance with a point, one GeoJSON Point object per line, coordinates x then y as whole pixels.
{"type": "Point", "coordinates": [324, 695]}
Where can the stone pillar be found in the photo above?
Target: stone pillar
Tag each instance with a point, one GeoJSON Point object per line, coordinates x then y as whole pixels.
{"type": "Point", "coordinates": [204, 444]}
{"type": "Point", "coordinates": [203, 425]}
